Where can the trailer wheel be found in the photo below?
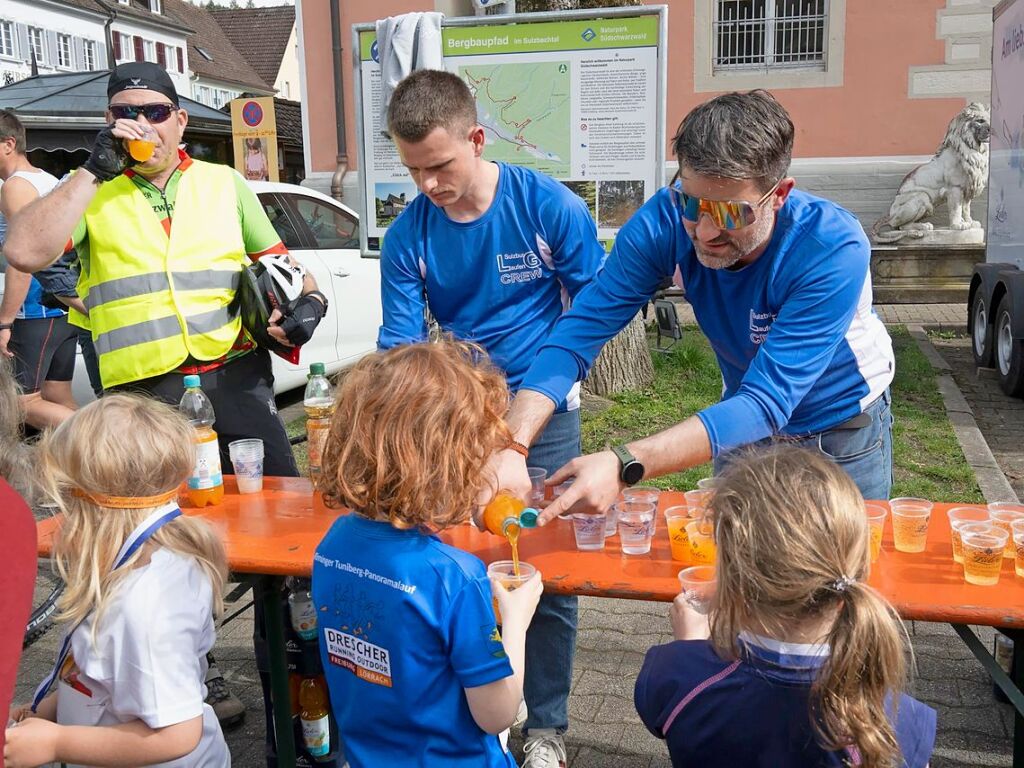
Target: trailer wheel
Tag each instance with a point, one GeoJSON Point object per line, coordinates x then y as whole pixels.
{"type": "Point", "coordinates": [981, 332]}
{"type": "Point", "coordinates": [1009, 352]}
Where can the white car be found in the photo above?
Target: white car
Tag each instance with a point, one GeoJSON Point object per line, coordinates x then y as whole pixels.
{"type": "Point", "coordinates": [323, 235]}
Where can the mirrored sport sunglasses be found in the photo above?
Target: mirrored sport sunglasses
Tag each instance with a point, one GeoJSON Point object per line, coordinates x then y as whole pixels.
{"type": "Point", "coordinates": [155, 113]}
{"type": "Point", "coordinates": [726, 214]}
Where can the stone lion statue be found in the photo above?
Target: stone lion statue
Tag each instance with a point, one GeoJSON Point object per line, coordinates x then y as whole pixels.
{"type": "Point", "coordinates": [957, 173]}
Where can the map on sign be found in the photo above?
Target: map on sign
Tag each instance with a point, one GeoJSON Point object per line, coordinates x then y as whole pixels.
{"type": "Point", "coordinates": [525, 111]}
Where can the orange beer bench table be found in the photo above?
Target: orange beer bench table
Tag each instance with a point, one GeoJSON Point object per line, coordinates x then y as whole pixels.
{"type": "Point", "coordinates": [274, 534]}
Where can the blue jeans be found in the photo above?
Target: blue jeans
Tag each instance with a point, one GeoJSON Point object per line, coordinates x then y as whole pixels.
{"type": "Point", "coordinates": [551, 638]}
{"type": "Point", "coordinates": [865, 453]}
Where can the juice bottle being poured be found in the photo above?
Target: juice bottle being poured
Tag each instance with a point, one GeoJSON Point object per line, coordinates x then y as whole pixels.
{"type": "Point", "coordinates": [506, 516]}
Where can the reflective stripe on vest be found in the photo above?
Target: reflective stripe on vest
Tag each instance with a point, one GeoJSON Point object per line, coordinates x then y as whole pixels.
{"type": "Point", "coordinates": [155, 299]}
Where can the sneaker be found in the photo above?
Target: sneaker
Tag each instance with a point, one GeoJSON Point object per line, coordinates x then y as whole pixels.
{"type": "Point", "coordinates": [225, 704]}
{"type": "Point", "coordinates": [521, 715]}
{"type": "Point", "coordinates": [544, 748]}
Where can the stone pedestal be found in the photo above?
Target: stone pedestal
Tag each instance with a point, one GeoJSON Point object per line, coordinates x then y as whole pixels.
{"type": "Point", "coordinates": [925, 271]}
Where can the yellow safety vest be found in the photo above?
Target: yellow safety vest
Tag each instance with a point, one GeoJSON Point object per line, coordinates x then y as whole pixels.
{"type": "Point", "coordinates": [153, 299]}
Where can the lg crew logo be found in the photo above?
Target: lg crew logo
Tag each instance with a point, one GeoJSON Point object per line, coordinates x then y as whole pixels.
{"type": "Point", "coordinates": [760, 324]}
{"type": "Point", "coordinates": [519, 267]}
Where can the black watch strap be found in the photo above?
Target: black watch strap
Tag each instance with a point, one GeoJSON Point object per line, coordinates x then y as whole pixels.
{"type": "Point", "coordinates": [631, 471]}
{"type": "Point", "coordinates": [6, 326]}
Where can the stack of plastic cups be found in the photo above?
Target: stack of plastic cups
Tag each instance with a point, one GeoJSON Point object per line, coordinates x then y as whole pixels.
{"type": "Point", "coordinates": [644, 493]}
{"type": "Point", "coordinates": [247, 459]}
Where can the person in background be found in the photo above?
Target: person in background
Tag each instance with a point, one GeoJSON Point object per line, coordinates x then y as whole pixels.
{"type": "Point", "coordinates": [37, 337]}
{"type": "Point", "coordinates": [799, 661]}
{"type": "Point", "coordinates": [140, 618]}
{"type": "Point", "coordinates": [495, 252]}
{"type": "Point", "coordinates": [18, 544]}
{"type": "Point", "coordinates": [408, 452]}
{"type": "Point", "coordinates": [780, 284]}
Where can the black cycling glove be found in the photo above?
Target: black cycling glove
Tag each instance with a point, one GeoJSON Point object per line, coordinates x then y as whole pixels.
{"type": "Point", "coordinates": [303, 318]}
{"type": "Point", "coordinates": [109, 157]}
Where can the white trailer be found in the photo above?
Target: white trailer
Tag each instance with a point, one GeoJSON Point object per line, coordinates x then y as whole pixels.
{"type": "Point", "coordinates": [996, 300]}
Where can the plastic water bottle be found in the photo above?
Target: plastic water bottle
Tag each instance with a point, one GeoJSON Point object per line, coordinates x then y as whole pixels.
{"type": "Point", "coordinates": [300, 608]}
{"type": "Point", "coordinates": [206, 483]}
{"type": "Point", "coordinates": [319, 404]}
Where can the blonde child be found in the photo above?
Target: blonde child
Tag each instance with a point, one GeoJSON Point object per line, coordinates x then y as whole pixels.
{"type": "Point", "coordinates": [803, 663]}
{"type": "Point", "coordinates": [143, 583]}
{"type": "Point", "coordinates": [417, 671]}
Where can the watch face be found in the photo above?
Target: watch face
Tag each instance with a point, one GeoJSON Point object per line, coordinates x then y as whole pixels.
{"type": "Point", "coordinates": [633, 473]}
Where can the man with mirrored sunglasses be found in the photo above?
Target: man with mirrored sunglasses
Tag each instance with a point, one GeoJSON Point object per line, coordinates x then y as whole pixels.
{"type": "Point", "coordinates": [780, 284]}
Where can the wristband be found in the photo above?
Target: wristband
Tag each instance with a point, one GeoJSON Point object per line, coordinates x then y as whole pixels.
{"type": "Point", "coordinates": [319, 295]}
{"type": "Point", "coordinates": [6, 326]}
{"type": "Point", "coordinates": [519, 448]}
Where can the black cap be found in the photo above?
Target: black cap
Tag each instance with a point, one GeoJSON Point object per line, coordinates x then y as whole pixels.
{"type": "Point", "coordinates": [141, 75]}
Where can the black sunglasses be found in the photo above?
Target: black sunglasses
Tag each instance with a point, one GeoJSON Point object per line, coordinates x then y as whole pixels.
{"type": "Point", "coordinates": [155, 113]}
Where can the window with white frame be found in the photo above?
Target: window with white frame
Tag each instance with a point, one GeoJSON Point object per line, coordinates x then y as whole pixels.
{"type": "Point", "coordinates": [37, 44]}
{"type": "Point", "coordinates": [770, 34]}
{"type": "Point", "coordinates": [171, 58]}
{"type": "Point", "coordinates": [89, 53]}
{"type": "Point", "coordinates": [6, 39]}
{"type": "Point", "coordinates": [64, 58]}
{"type": "Point", "coordinates": [149, 50]}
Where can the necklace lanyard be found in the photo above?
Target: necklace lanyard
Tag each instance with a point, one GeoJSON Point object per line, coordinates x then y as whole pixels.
{"type": "Point", "coordinates": [160, 517]}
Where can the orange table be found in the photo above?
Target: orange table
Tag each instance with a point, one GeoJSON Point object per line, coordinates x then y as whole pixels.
{"type": "Point", "coordinates": [275, 533]}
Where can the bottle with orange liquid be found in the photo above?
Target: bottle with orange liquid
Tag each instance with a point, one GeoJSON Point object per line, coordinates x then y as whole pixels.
{"type": "Point", "coordinates": [206, 483]}
{"type": "Point", "coordinates": [506, 516]}
{"type": "Point", "coordinates": [315, 716]}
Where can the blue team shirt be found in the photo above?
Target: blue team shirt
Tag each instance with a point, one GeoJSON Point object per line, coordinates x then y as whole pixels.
{"type": "Point", "coordinates": [798, 343]}
{"type": "Point", "coordinates": [502, 280]}
{"type": "Point", "coordinates": [754, 712]}
{"type": "Point", "coordinates": [406, 623]}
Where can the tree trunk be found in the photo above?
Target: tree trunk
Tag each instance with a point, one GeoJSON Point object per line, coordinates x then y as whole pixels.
{"type": "Point", "coordinates": [624, 363]}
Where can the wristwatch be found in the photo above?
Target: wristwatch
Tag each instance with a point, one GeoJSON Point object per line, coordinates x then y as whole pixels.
{"type": "Point", "coordinates": [632, 471]}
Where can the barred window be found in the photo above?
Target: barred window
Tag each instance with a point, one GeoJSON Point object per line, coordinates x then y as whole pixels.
{"type": "Point", "coordinates": [770, 34]}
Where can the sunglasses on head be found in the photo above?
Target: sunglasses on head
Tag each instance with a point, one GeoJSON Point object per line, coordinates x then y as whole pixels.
{"type": "Point", "coordinates": [155, 113]}
{"type": "Point", "coordinates": [726, 214]}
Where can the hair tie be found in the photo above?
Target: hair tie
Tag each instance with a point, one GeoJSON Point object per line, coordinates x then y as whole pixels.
{"type": "Point", "coordinates": [125, 502]}
{"type": "Point", "coordinates": [842, 584]}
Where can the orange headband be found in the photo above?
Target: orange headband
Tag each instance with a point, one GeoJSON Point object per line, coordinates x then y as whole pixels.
{"type": "Point", "coordinates": [125, 502]}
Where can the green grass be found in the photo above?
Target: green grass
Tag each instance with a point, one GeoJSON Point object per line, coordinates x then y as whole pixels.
{"type": "Point", "coordinates": [927, 457]}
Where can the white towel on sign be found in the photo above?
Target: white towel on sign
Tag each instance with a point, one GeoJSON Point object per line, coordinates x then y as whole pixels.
{"type": "Point", "coordinates": [404, 44]}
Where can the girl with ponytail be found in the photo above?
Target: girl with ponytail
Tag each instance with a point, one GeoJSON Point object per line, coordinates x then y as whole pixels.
{"type": "Point", "coordinates": [799, 662]}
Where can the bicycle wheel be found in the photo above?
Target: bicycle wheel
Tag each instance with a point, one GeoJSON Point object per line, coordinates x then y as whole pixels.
{"type": "Point", "coordinates": [48, 589]}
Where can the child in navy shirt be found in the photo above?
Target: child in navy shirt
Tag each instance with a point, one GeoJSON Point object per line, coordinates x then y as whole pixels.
{"type": "Point", "coordinates": [802, 663]}
{"type": "Point", "coordinates": [417, 671]}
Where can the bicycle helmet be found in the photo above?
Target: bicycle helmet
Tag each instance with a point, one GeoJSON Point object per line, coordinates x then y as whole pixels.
{"type": "Point", "coordinates": [271, 283]}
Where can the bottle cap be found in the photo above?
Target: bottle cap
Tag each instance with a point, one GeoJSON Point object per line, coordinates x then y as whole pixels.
{"type": "Point", "coordinates": [192, 380]}
{"type": "Point", "coordinates": [317, 369]}
{"type": "Point", "coordinates": [528, 518]}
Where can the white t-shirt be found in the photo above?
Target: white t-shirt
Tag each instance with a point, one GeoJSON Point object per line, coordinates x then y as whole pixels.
{"type": "Point", "coordinates": [149, 659]}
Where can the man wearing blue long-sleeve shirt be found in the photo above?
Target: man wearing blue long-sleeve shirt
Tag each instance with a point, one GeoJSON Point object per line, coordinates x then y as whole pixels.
{"type": "Point", "coordinates": [495, 252]}
{"type": "Point", "coordinates": [780, 284]}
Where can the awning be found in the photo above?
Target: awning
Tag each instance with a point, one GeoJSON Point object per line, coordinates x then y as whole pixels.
{"type": "Point", "coordinates": [53, 140]}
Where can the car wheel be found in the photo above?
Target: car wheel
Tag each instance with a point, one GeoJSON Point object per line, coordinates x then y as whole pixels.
{"type": "Point", "coordinates": [981, 331]}
{"type": "Point", "coordinates": [1009, 352]}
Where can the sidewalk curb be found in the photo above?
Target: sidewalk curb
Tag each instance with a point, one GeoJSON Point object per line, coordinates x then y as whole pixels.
{"type": "Point", "coordinates": [991, 480]}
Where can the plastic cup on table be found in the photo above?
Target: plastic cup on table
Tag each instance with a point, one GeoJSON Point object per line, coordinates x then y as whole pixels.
{"type": "Point", "coordinates": [557, 491]}
{"type": "Point", "coordinates": [1017, 529]}
{"type": "Point", "coordinates": [707, 483]}
{"type": "Point", "coordinates": [589, 530]}
{"type": "Point", "coordinates": [983, 545]}
{"type": "Point", "coordinates": [1003, 513]}
{"type": "Point", "coordinates": [504, 571]}
{"type": "Point", "coordinates": [698, 584]}
{"type": "Point", "coordinates": [959, 516]}
{"type": "Point", "coordinates": [699, 497]}
{"type": "Point", "coordinates": [876, 515]}
{"type": "Point", "coordinates": [910, 518]}
{"type": "Point", "coordinates": [635, 520]}
{"type": "Point", "coordinates": [701, 534]}
{"type": "Point", "coordinates": [537, 478]}
{"type": "Point", "coordinates": [247, 459]}
{"type": "Point", "coordinates": [647, 493]}
{"type": "Point", "coordinates": [676, 520]}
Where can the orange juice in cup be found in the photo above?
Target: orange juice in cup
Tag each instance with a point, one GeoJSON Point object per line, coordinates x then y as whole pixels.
{"type": "Point", "coordinates": [983, 545]}
{"type": "Point", "coordinates": [876, 514]}
{"type": "Point", "coordinates": [141, 149]}
{"type": "Point", "coordinates": [958, 517]}
{"type": "Point", "coordinates": [702, 541]}
{"type": "Point", "coordinates": [1003, 513]}
{"type": "Point", "coordinates": [676, 519]}
{"type": "Point", "coordinates": [1017, 529]}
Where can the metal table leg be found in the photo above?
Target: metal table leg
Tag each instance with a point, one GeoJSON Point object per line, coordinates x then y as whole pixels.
{"type": "Point", "coordinates": [268, 591]}
{"type": "Point", "coordinates": [1012, 688]}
